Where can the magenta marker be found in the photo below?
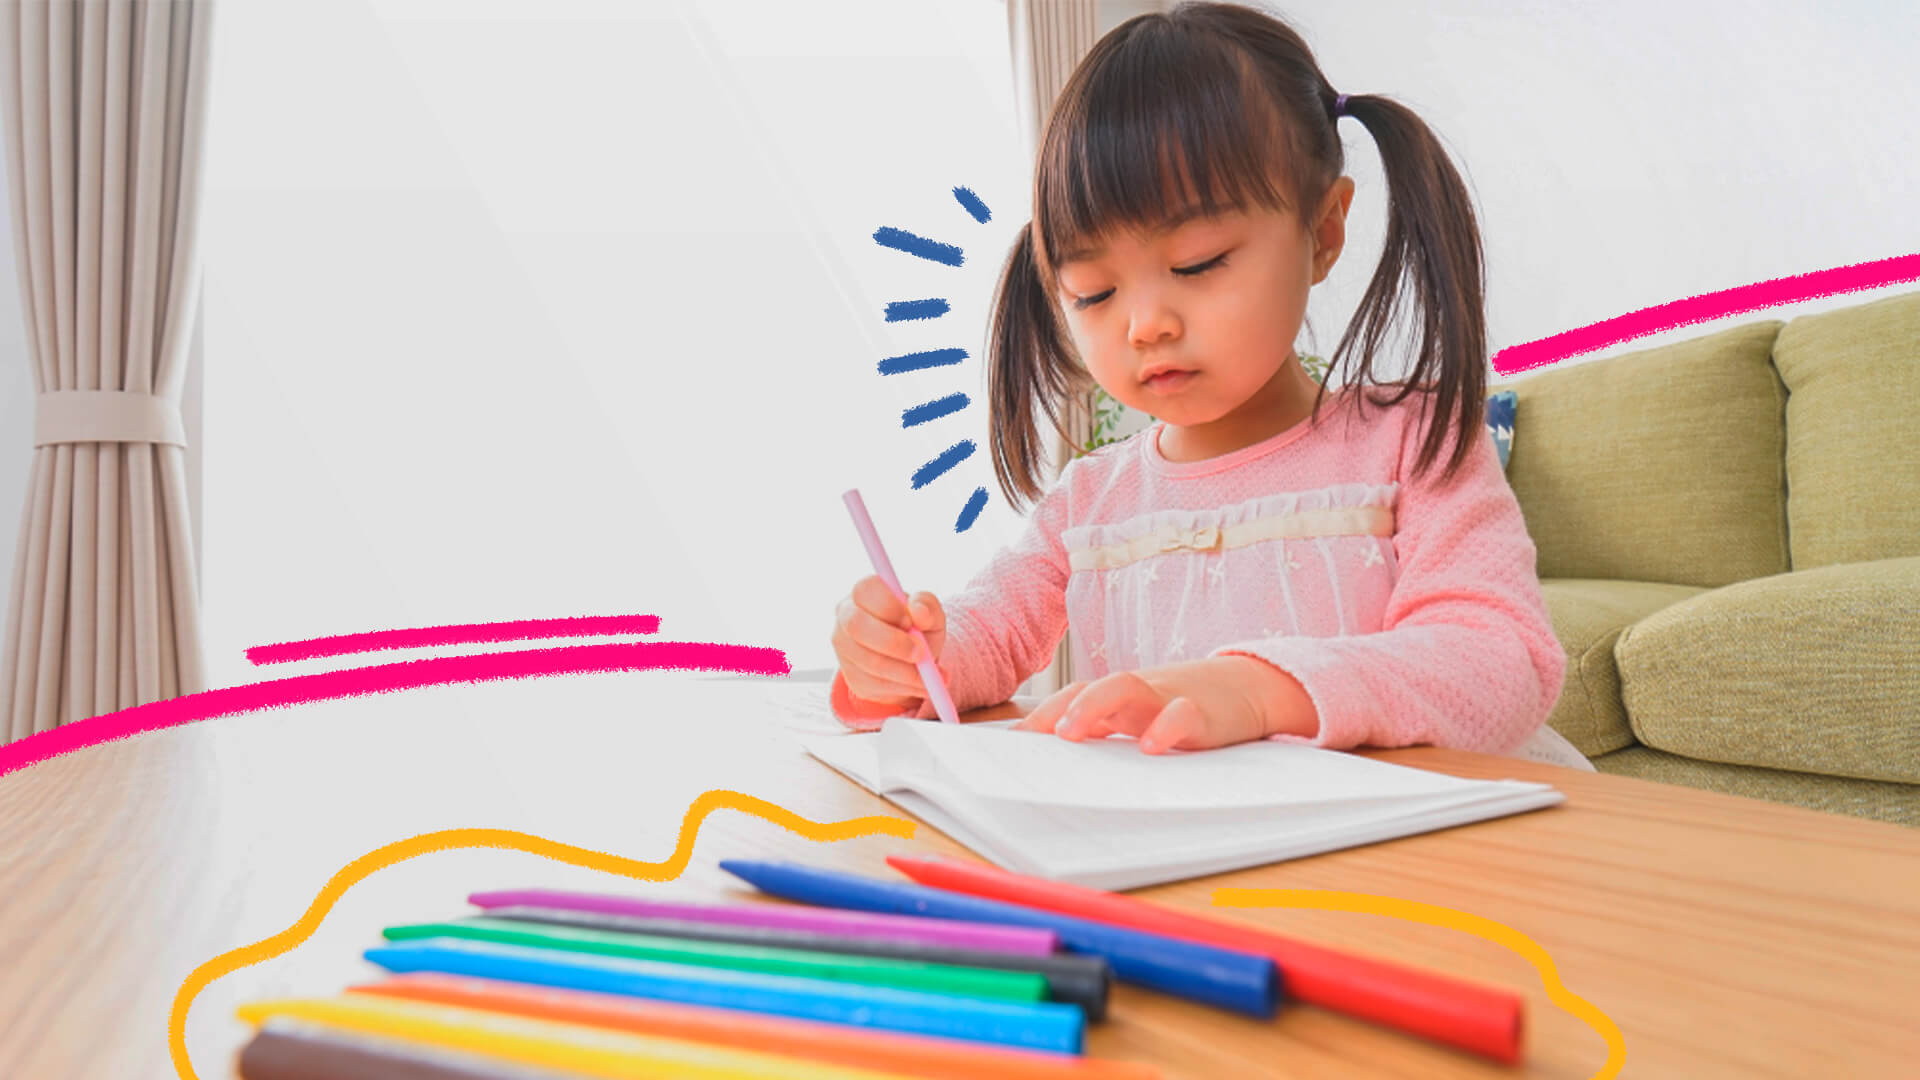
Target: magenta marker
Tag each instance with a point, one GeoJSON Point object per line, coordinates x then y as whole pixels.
{"type": "Point", "coordinates": [947, 933]}
{"type": "Point", "coordinates": [929, 671]}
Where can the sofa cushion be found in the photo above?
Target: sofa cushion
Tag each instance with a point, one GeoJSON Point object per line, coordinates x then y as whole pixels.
{"type": "Point", "coordinates": [1812, 671]}
{"type": "Point", "coordinates": [1587, 616]}
{"type": "Point", "coordinates": [1876, 799]}
{"type": "Point", "coordinates": [1853, 432]}
{"type": "Point", "coordinates": [1660, 465]}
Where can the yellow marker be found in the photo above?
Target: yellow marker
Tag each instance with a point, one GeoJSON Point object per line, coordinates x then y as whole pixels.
{"type": "Point", "coordinates": [507, 839]}
{"type": "Point", "coordinates": [587, 1050]}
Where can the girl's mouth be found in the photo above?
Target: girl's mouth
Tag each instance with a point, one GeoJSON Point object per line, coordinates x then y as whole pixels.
{"type": "Point", "coordinates": [1169, 382]}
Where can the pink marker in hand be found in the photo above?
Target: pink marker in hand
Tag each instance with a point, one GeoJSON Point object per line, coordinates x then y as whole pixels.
{"type": "Point", "coordinates": [929, 671]}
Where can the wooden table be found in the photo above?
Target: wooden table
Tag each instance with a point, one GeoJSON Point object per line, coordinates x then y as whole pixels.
{"type": "Point", "coordinates": [1725, 937]}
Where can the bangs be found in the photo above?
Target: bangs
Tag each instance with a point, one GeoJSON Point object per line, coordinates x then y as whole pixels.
{"type": "Point", "coordinates": [1161, 124]}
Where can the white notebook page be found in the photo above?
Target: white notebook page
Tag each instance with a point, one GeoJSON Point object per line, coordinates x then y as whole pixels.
{"type": "Point", "coordinates": [1106, 814]}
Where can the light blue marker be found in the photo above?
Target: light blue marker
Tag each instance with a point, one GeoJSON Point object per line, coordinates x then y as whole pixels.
{"type": "Point", "coordinates": [1039, 1026]}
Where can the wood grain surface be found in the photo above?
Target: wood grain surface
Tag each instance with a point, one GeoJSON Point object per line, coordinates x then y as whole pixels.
{"type": "Point", "coordinates": [1725, 937]}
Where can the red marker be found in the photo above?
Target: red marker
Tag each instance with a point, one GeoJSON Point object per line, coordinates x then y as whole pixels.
{"type": "Point", "coordinates": [1466, 1015]}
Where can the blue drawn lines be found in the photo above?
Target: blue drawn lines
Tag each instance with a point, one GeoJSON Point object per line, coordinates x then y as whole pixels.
{"type": "Point", "coordinates": [915, 310]}
{"type": "Point", "coordinates": [909, 310]}
{"type": "Point", "coordinates": [973, 508]}
{"type": "Point", "coordinates": [901, 240]}
{"type": "Point", "coordinates": [933, 470]}
{"type": "Point", "coordinates": [973, 204]}
{"type": "Point", "coordinates": [933, 410]}
{"type": "Point", "coordinates": [894, 365]}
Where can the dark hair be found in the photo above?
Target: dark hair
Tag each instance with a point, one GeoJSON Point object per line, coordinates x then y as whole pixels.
{"type": "Point", "coordinates": [1227, 103]}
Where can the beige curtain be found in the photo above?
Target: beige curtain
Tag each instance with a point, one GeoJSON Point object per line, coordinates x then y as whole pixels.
{"type": "Point", "coordinates": [1049, 38]}
{"type": "Point", "coordinates": [104, 105]}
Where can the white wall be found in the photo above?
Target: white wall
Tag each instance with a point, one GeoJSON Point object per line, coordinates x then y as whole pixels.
{"type": "Point", "coordinates": [561, 307]}
{"type": "Point", "coordinates": [565, 308]}
{"type": "Point", "coordinates": [1627, 154]}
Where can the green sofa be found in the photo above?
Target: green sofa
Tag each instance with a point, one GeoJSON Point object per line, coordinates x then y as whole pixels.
{"type": "Point", "coordinates": [1729, 542]}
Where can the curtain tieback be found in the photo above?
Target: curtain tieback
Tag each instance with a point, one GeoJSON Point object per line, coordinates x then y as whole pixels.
{"type": "Point", "coordinates": [95, 416]}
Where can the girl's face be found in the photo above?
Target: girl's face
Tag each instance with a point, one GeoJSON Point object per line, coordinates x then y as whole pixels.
{"type": "Point", "coordinates": [1195, 324]}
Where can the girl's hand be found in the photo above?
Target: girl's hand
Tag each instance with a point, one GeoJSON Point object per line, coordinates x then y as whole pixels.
{"type": "Point", "coordinates": [876, 653]}
{"type": "Point", "coordinates": [1191, 706]}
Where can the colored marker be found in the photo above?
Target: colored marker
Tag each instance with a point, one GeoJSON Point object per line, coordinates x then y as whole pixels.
{"type": "Point", "coordinates": [874, 971]}
{"type": "Point", "coordinates": [1240, 981]}
{"type": "Point", "coordinates": [929, 671]}
{"type": "Point", "coordinates": [915, 1055]}
{"type": "Point", "coordinates": [286, 1049]}
{"type": "Point", "coordinates": [1070, 977]}
{"type": "Point", "coordinates": [1467, 1015]}
{"type": "Point", "coordinates": [592, 1051]}
{"type": "Point", "coordinates": [1038, 1026]}
{"type": "Point", "coordinates": [948, 933]}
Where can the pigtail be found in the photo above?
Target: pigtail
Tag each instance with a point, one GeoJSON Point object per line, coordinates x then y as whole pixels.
{"type": "Point", "coordinates": [1432, 250]}
{"type": "Point", "coordinates": [1031, 371]}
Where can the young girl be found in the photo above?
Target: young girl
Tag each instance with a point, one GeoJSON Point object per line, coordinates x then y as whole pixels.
{"type": "Point", "coordinates": [1270, 558]}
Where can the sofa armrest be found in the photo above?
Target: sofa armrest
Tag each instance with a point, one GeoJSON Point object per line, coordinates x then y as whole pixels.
{"type": "Point", "coordinates": [1588, 617]}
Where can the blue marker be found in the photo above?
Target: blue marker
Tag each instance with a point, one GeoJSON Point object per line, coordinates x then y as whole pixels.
{"type": "Point", "coordinates": [1038, 1026]}
{"type": "Point", "coordinates": [1233, 980]}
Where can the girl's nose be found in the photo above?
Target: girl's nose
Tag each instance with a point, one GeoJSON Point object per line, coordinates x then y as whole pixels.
{"type": "Point", "coordinates": [1152, 322]}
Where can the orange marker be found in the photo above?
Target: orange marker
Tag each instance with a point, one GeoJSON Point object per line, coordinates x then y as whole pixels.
{"type": "Point", "coordinates": [881, 1051]}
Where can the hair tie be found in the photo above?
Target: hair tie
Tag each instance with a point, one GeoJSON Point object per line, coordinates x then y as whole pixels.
{"type": "Point", "coordinates": [1340, 106]}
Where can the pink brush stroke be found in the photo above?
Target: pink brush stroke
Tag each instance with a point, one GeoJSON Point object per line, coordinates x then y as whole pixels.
{"type": "Point", "coordinates": [455, 634]}
{"type": "Point", "coordinates": [1713, 305]}
{"type": "Point", "coordinates": [387, 678]}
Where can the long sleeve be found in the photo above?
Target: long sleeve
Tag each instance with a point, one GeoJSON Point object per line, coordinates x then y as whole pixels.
{"type": "Point", "coordinates": [1003, 626]}
{"type": "Point", "coordinates": [1466, 656]}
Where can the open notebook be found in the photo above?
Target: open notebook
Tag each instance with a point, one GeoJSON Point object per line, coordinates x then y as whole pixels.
{"type": "Point", "coordinates": [1106, 815]}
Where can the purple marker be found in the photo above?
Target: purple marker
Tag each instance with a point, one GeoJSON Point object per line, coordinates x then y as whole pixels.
{"type": "Point", "coordinates": [949, 933]}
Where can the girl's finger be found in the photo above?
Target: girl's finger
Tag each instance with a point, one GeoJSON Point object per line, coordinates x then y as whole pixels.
{"type": "Point", "coordinates": [872, 596]}
{"type": "Point", "coordinates": [927, 613]}
{"type": "Point", "coordinates": [1043, 718]}
{"type": "Point", "coordinates": [882, 675]}
{"type": "Point", "coordinates": [851, 650]}
{"type": "Point", "coordinates": [883, 638]}
{"type": "Point", "coordinates": [881, 694]}
{"type": "Point", "coordinates": [1180, 726]}
{"type": "Point", "coordinates": [1089, 730]}
{"type": "Point", "coordinates": [1121, 703]}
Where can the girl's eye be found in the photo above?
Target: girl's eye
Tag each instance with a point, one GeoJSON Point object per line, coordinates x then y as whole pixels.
{"type": "Point", "coordinates": [1082, 303]}
{"type": "Point", "coordinates": [1201, 268]}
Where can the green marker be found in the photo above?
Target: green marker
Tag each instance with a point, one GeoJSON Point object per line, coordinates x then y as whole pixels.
{"type": "Point", "coordinates": [949, 979]}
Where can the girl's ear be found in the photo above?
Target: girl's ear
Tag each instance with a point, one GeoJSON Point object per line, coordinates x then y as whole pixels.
{"type": "Point", "coordinates": [1330, 227]}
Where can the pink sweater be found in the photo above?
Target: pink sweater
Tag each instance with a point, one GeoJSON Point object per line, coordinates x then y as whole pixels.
{"type": "Point", "coordinates": [1411, 612]}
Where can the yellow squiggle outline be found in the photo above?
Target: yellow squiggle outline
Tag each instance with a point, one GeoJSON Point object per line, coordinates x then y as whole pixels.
{"type": "Point", "coordinates": [1432, 915]}
{"type": "Point", "coordinates": [826, 832]}
{"type": "Point", "coordinates": [448, 839]}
